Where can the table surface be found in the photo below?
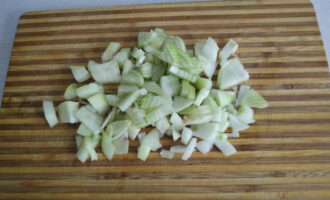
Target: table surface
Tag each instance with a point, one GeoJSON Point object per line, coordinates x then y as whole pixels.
{"type": "Point", "coordinates": [284, 155]}
{"type": "Point", "coordinates": [10, 10]}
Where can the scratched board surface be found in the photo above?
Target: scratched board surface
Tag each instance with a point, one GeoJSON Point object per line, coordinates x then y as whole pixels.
{"type": "Point", "coordinates": [284, 155]}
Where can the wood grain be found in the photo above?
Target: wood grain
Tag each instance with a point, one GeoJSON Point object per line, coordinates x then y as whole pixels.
{"type": "Point", "coordinates": [285, 155]}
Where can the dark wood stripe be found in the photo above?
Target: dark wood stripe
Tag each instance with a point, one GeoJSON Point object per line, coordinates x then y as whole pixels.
{"type": "Point", "coordinates": [184, 36]}
{"type": "Point", "coordinates": [177, 161]}
{"type": "Point", "coordinates": [162, 175]}
{"type": "Point", "coordinates": [167, 10]}
{"type": "Point", "coordinates": [166, 18]}
{"type": "Point", "coordinates": [167, 188]}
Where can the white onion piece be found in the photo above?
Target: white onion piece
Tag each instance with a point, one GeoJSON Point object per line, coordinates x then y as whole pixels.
{"type": "Point", "coordinates": [50, 113]}
{"type": "Point", "coordinates": [190, 149]}
{"type": "Point", "coordinates": [225, 147]}
{"type": "Point", "coordinates": [67, 111]}
{"type": "Point", "coordinates": [178, 148]}
{"type": "Point", "coordinates": [166, 154]}
{"type": "Point", "coordinates": [186, 135]}
{"type": "Point", "coordinates": [204, 146]}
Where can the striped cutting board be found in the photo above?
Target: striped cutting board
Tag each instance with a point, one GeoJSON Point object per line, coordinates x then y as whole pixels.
{"type": "Point", "coordinates": [285, 155]}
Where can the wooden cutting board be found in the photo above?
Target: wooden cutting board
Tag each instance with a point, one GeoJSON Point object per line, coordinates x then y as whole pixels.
{"type": "Point", "coordinates": [285, 155]}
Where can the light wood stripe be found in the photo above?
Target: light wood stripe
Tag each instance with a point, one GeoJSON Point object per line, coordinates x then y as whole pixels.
{"type": "Point", "coordinates": [284, 155]}
{"type": "Point", "coordinates": [164, 23]}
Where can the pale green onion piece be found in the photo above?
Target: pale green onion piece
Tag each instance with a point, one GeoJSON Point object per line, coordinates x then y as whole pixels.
{"type": "Point", "coordinates": [133, 77]}
{"type": "Point", "coordinates": [50, 114]}
{"type": "Point", "coordinates": [198, 119]}
{"type": "Point", "coordinates": [112, 99]}
{"type": "Point", "coordinates": [146, 69]}
{"type": "Point", "coordinates": [206, 131]}
{"type": "Point", "coordinates": [108, 148]}
{"type": "Point", "coordinates": [210, 50]}
{"type": "Point", "coordinates": [152, 87]}
{"type": "Point", "coordinates": [175, 134]}
{"type": "Point", "coordinates": [183, 74]}
{"type": "Point", "coordinates": [157, 72]}
{"type": "Point", "coordinates": [127, 100]}
{"type": "Point", "coordinates": [183, 60]}
{"type": "Point", "coordinates": [245, 114]}
{"type": "Point", "coordinates": [143, 92]}
{"type": "Point", "coordinates": [90, 118]}
{"type": "Point", "coordinates": [180, 103]}
{"type": "Point", "coordinates": [143, 152]}
{"type": "Point", "coordinates": [177, 41]}
{"type": "Point", "coordinates": [178, 149]}
{"type": "Point", "coordinates": [225, 147]}
{"type": "Point", "coordinates": [177, 122]}
{"type": "Point", "coordinates": [67, 111]}
{"type": "Point", "coordinates": [80, 73]}
{"type": "Point", "coordinates": [163, 125]}
{"type": "Point", "coordinates": [186, 135]}
{"type": "Point", "coordinates": [108, 72]}
{"type": "Point", "coordinates": [118, 128]}
{"type": "Point", "coordinates": [99, 103]}
{"type": "Point", "coordinates": [170, 85]}
{"type": "Point", "coordinates": [203, 83]}
{"type": "Point", "coordinates": [87, 148]}
{"type": "Point", "coordinates": [137, 116]}
{"type": "Point", "coordinates": [70, 91]}
{"type": "Point", "coordinates": [151, 101]}
{"type": "Point", "coordinates": [222, 136]}
{"type": "Point", "coordinates": [231, 109]}
{"type": "Point", "coordinates": [166, 154]}
{"type": "Point", "coordinates": [133, 131]}
{"type": "Point", "coordinates": [158, 54]}
{"type": "Point", "coordinates": [159, 113]}
{"type": "Point", "coordinates": [228, 50]}
{"type": "Point", "coordinates": [198, 49]}
{"type": "Point", "coordinates": [187, 90]}
{"type": "Point", "coordinates": [138, 54]}
{"type": "Point", "coordinates": [234, 134]}
{"type": "Point", "coordinates": [210, 102]}
{"type": "Point", "coordinates": [79, 140]}
{"type": "Point", "coordinates": [110, 51]}
{"type": "Point", "coordinates": [125, 89]}
{"type": "Point", "coordinates": [110, 118]}
{"type": "Point", "coordinates": [141, 135]}
{"type": "Point", "coordinates": [202, 94]}
{"type": "Point", "coordinates": [243, 89]}
{"type": "Point", "coordinates": [122, 56]}
{"type": "Point", "coordinates": [128, 66]}
{"type": "Point", "coordinates": [154, 38]}
{"type": "Point", "coordinates": [149, 57]}
{"type": "Point", "coordinates": [231, 75]}
{"type": "Point", "coordinates": [121, 144]}
{"type": "Point", "coordinates": [204, 146]}
{"type": "Point", "coordinates": [89, 90]}
{"type": "Point", "coordinates": [236, 123]}
{"type": "Point", "coordinates": [223, 98]}
{"type": "Point", "coordinates": [219, 114]}
{"type": "Point", "coordinates": [152, 140]}
{"type": "Point", "coordinates": [198, 115]}
{"type": "Point", "coordinates": [253, 99]}
{"type": "Point", "coordinates": [209, 68]}
{"type": "Point", "coordinates": [190, 149]}
{"type": "Point", "coordinates": [84, 131]}
{"type": "Point", "coordinates": [208, 53]}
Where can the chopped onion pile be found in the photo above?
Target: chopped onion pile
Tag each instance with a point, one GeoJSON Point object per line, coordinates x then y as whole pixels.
{"type": "Point", "coordinates": [164, 86]}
